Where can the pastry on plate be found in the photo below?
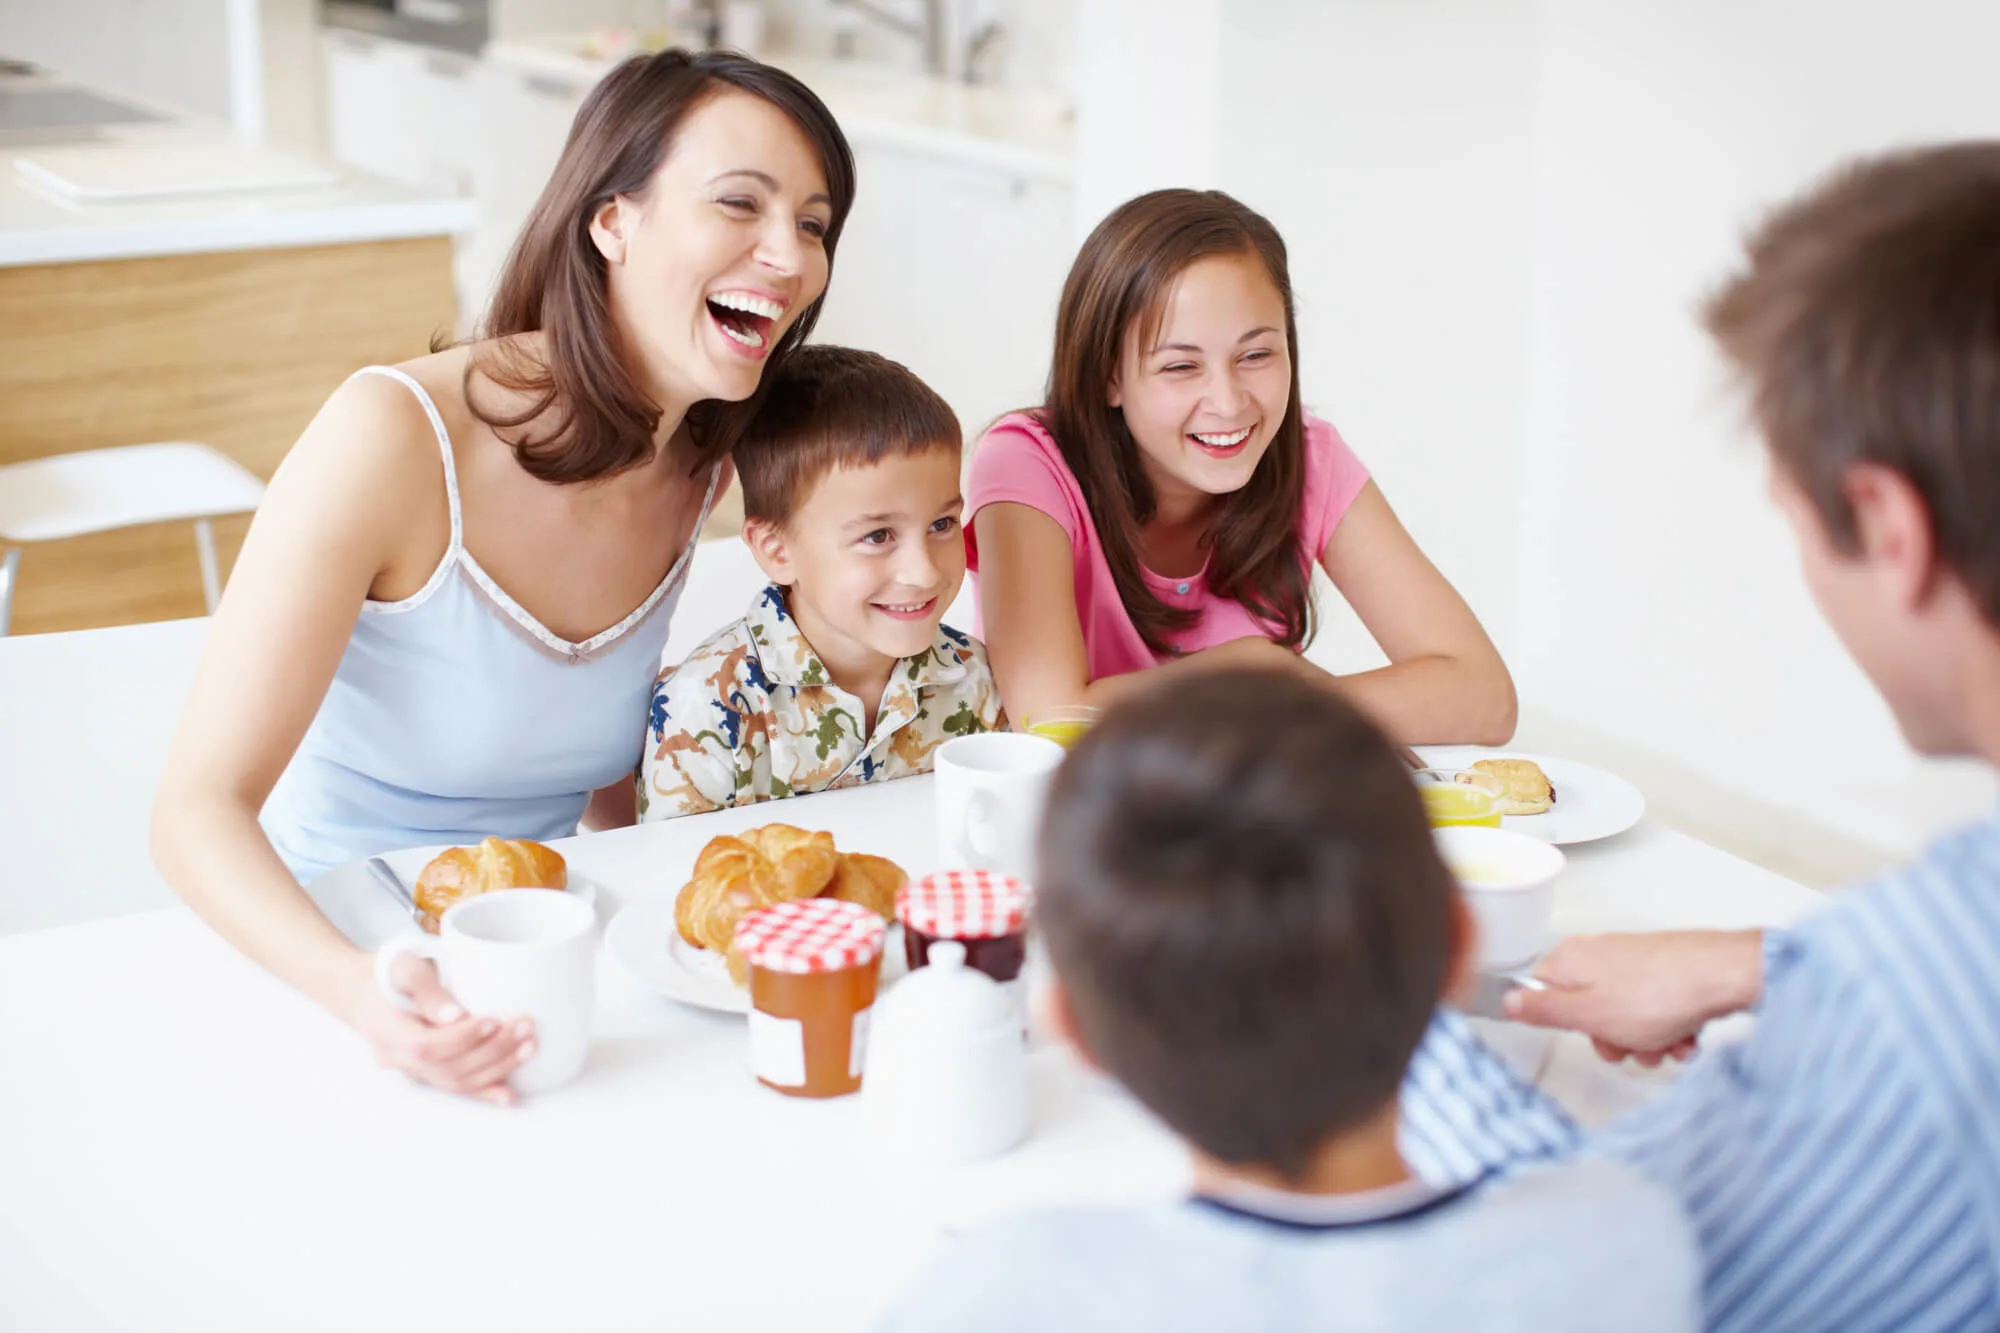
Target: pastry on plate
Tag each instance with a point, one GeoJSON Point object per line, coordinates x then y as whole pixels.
{"type": "Point", "coordinates": [871, 881]}
{"type": "Point", "coordinates": [737, 875]}
{"type": "Point", "coordinates": [497, 863]}
{"type": "Point", "coordinates": [1526, 790]}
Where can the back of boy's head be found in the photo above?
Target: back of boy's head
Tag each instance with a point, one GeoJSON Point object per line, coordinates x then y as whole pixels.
{"type": "Point", "coordinates": [834, 407]}
{"type": "Point", "coordinates": [1240, 895]}
{"type": "Point", "coordinates": [1867, 326]}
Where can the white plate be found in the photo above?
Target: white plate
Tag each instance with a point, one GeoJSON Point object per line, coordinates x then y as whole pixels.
{"type": "Point", "coordinates": [1590, 803]}
{"type": "Point", "coordinates": [644, 939]}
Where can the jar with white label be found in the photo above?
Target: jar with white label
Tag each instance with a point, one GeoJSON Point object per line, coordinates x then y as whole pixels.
{"type": "Point", "coordinates": [814, 965]}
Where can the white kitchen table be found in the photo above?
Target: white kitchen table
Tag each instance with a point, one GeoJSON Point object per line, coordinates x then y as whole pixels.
{"type": "Point", "coordinates": [185, 1143]}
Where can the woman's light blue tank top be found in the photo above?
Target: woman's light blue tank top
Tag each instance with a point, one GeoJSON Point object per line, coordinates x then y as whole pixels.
{"type": "Point", "coordinates": [455, 714]}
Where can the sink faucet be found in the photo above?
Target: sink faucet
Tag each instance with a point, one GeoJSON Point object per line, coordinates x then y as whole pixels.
{"type": "Point", "coordinates": [932, 32]}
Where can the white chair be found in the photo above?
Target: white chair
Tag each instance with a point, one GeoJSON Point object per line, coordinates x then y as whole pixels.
{"type": "Point", "coordinates": [99, 490]}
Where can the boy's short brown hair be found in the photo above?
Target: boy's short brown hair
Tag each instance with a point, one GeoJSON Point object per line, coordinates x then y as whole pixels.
{"type": "Point", "coordinates": [1867, 325]}
{"type": "Point", "coordinates": [830, 407]}
{"type": "Point", "coordinates": [1240, 895]}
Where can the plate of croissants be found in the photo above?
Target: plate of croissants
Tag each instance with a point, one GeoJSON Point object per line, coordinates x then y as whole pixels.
{"type": "Point", "coordinates": [458, 873]}
{"type": "Point", "coordinates": [680, 944]}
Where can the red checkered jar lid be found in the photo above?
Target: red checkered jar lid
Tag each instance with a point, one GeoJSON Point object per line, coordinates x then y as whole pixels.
{"type": "Point", "coordinates": [811, 935]}
{"type": "Point", "coordinates": [964, 905]}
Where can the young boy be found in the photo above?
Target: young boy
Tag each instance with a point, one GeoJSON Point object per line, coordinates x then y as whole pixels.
{"type": "Point", "coordinates": [841, 672]}
{"type": "Point", "coordinates": [1249, 927]}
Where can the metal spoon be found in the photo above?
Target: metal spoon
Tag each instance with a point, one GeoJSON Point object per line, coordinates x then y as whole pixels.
{"type": "Point", "coordinates": [394, 883]}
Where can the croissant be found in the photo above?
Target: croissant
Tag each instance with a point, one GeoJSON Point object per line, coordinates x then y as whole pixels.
{"type": "Point", "coordinates": [871, 881]}
{"type": "Point", "coordinates": [735, 876]}
{"type": "Point", "coordinates": [1526, 789]}
{"type": "Point", "coordinates": [497, 863]}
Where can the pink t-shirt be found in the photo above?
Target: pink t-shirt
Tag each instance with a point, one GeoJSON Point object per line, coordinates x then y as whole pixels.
{"type": "Point", "coordinates": [1018, 461]}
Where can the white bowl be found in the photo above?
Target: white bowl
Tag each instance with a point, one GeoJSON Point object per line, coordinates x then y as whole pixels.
{"type": "Point", "coordinates": [1509, 881]}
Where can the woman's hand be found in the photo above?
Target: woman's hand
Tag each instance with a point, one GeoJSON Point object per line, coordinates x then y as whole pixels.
{"type": "Point", "coordinates": [439, 1044]}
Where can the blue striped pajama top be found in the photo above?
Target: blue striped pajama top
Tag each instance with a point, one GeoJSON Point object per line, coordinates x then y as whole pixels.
{"type": "Point", "coordinates": [1842, 1165]}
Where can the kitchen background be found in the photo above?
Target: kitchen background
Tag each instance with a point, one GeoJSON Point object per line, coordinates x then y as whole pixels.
{"type": "Point", "coordinates": [1501, 215]}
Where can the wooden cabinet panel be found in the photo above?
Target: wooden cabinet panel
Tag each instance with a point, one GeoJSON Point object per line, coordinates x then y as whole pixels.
{"type": "Point", "coordinates": [235, 349]}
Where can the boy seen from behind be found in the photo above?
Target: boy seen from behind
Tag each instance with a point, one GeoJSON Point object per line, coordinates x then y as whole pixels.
{"type": "Point", "coordinates": [1250, 927]}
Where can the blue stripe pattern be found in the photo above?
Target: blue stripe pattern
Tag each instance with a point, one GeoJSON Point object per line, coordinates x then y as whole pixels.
{"type": "Point", "coordinates": [1842, 1165]}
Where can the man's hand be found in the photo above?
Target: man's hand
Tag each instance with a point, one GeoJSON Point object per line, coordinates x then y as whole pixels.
{"type": "Point", "coordinates": [1644, 996]}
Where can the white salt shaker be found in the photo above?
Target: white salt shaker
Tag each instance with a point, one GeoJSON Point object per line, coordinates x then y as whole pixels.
{"type": "Point", "coordinates": [947, 1078]}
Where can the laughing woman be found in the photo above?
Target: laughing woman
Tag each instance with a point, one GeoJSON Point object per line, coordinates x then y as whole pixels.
{"type": "Point", "coordinates": [447, 616]}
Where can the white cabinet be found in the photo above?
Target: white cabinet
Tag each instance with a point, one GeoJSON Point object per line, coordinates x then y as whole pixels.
{"type": "Point", "coordinates": [526, 119]}
{"type": "Point", "coordinates": [370, 101]}
{"type": "Point", "coordinates": [953, 267]}
{"type": "Point", "coordinates": [414, 114]}
{"type": "Point", "coordinates": [407, 112]}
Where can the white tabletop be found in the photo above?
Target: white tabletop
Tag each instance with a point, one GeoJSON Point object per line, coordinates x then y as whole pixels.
{"type": "Point", "coordinates": [187, 1144]}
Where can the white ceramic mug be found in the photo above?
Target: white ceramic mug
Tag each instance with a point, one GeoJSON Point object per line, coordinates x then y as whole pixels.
{"type": "Point", "coordinates": [990, 790]}
{"type": "Point", "coordinates": [1509, 880]}
{"type": "Point", "coordinates": [516, 953]}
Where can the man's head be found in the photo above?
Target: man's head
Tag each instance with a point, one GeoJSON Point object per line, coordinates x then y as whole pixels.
{"type": "Point", "coordinates": [1247, 918]}
{"type": "Point", "coordinates": [851, 500]}
{"type": "Point", "coordinates": [1866, 325]}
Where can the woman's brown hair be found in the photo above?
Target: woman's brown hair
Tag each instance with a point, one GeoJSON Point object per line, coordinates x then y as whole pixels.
{"type": "Point", "coordinates": [586, 415]}
{"type": "Point", "coordinates": [1119, 285]}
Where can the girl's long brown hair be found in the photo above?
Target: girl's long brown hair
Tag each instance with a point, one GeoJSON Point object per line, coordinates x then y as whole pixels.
{"type": "Point", "coordinates": [586, 415]}
{"type": "Point", "coordinates": [1119, 284]}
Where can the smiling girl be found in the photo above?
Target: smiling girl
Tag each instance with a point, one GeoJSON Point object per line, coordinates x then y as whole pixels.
{"type": "Point", "coordinates": [447, 616]}
{"type": "Point", "coordinates": [1164, 509]}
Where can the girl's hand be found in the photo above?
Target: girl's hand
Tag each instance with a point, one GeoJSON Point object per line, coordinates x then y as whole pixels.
{"type": "Point", "coordinates": [440, 1044]}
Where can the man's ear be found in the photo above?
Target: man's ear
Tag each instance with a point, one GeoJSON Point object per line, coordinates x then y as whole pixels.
{"type": "Point", "coordinates": [1895, 528]}
{"type": "Point", "coordinates": [608, 226]}
{"type": "Point", "coordinates": [1060, 1019]}
{"type": "Point", "coordinates": [770, 550]}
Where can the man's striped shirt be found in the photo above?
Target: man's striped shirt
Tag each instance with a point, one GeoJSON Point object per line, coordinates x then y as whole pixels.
{"type": "Point", "coordinates": [1841, 1166]}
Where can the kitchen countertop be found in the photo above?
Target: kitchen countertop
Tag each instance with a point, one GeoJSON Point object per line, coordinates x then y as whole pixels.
{"type": "Point", "coordinates": [1015, 129]}
{"type": "Point", "coordinates": [42, 228]}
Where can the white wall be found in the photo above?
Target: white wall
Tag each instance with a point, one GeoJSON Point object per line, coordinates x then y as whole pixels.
{"type": "Point", "coordinates": [1149, 100]}
{"type": "Point", "coordinates": [1389, 145]}
{"type": "Point", "coordinates": [1502, 214]}
{"type": "Point", "coordinates": [1659, 597]}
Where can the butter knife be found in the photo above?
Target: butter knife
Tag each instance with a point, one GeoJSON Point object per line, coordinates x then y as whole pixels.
{"type": "Point", "coordinates": [394, 883]}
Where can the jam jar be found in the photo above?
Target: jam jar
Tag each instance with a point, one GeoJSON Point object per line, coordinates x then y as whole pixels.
{"type": "Point", "coordinates": [813, 968]}
{"type": "Point", "coordinates": [983, 910]}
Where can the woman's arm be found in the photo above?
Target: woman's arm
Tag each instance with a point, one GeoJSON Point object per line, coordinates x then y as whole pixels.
{"type": "Point", "coordinates": [1445, 683]}
{"type": "Point", "coordinates": [339, 515]}
{"type": "Point", "coordinates": [1034, 639]}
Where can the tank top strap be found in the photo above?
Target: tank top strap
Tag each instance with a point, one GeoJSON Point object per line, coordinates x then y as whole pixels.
{"type": "Point", "coordinates": [714, 475]}
{"type": "Point", "coordinates": [444, 451]}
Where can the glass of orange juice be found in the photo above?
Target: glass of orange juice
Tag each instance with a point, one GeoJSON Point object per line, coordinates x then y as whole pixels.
{"type": "Point", "coordinates": [1065, 724]}
{"type": "Point", "coordinates": [1456, 797]}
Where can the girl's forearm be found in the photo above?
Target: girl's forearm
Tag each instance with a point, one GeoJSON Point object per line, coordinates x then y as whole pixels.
{"type": "Point", "coordinates": [1435, 700]}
